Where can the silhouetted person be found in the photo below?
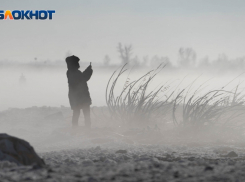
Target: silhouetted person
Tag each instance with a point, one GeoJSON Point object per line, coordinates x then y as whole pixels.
{"type": "Point", "coordinates": [79, 96]}
{"type": "Point", "coordinates": [22, 79]}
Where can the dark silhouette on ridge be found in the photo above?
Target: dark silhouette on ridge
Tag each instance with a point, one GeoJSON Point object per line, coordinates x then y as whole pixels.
{"type": "Point", "coordinates": [79, 96]}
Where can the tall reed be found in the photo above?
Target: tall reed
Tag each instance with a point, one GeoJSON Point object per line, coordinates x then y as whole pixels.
{"type": "Point", "coordinates": [136, 103]}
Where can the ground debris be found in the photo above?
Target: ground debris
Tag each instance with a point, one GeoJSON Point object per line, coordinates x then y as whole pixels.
{"type": "Point", "coordinates": [231, 154]}
{"type": "Point", "coordinates": [121, 152]}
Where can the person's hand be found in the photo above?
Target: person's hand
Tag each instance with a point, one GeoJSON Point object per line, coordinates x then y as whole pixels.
{"type": "Point", "coordinates": [90, 65]}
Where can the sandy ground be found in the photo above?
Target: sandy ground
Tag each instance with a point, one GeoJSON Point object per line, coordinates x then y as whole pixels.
{"type": "Point", "coordinates": [107, 154]}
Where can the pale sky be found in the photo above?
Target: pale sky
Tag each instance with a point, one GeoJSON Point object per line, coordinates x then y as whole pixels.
{"type": "Point", "coordinates": [91, 29]}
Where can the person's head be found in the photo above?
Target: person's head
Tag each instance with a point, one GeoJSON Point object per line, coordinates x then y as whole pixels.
{"type": "Point", "coordinates": [72, 62]}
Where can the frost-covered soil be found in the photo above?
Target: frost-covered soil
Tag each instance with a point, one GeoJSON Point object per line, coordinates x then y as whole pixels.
{"type": "Point", "coordinates": [132, 163]}
{"type": "Point", "coordinates": [107, 154]}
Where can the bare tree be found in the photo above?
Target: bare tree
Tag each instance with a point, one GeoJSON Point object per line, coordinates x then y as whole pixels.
{"type": "Point", "coordinates": [135, 61]}
{"type": "Point", "coordinates": [107, 60]}
{"type": "Point", "coordinates": [187, 57]}
{"type": "Point", "coordinates": [125, 53]}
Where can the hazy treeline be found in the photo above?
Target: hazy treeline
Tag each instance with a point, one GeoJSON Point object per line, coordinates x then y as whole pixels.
{"type": "Point", "coordinates": [187, 59]}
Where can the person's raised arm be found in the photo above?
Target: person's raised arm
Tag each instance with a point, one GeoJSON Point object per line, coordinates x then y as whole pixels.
{"type": "Point", "coordinates": [88, 72]}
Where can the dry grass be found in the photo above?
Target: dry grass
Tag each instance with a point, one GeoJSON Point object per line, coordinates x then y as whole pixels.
{"type": "Point", "coordinates": [221, 107]}
{"type": "Point", "coordinates": [136, 104]}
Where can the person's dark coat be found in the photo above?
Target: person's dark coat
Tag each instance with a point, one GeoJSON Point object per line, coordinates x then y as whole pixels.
{"type": "Point", "coordinates": [78, 88]}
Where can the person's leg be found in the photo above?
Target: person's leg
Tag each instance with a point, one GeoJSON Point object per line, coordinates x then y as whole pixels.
{"type": "Point", "coordinates": [75, 117]}
{"type": "Point", "coordinates": [86, 113]}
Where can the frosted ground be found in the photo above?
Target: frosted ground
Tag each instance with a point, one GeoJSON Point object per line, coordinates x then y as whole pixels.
{"type": "Point", "coordinates": [114, 153]}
